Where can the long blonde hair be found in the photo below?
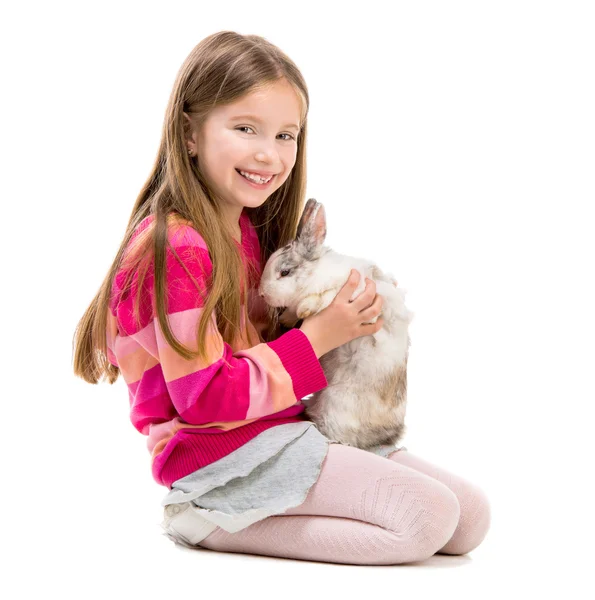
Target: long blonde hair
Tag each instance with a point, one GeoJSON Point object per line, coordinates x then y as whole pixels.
{"type": "Point", "coordinates": [221, 69]}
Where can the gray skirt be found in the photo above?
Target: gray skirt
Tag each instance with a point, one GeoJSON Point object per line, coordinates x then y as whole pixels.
{"type": "Point", "coordinates": [271, 473]}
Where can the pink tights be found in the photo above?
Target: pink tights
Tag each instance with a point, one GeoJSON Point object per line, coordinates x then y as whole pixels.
{"type": "Point", "coordinates": [367, 510]}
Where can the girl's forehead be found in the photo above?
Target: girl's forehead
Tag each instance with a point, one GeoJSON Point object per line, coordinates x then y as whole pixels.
{"type": "Point", "coordinates": [274, 103]}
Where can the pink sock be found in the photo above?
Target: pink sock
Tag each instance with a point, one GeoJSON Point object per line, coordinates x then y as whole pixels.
{"type": "Point", "coordinates": [474, 521]}
{"type": "Point", "coordinates": [363, 509]}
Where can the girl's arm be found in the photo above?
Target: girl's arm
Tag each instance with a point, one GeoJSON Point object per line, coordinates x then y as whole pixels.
{"type": "Point", "coordinates": [260, 381]}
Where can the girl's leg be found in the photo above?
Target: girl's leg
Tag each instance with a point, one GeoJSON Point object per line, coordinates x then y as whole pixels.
{"type": "Point", "coordinates": [475, 516]}
{"type": "Point", "coordinates": [363, 509]}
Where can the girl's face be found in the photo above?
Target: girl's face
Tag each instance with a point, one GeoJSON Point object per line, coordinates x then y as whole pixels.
{"type": "Point", "coordinates": [264, 142]}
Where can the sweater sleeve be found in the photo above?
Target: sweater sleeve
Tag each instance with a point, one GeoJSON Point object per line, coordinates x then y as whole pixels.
{"type": "Point", "coordinates": [256, 381]}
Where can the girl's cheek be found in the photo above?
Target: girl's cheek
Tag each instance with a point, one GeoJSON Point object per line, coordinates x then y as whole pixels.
{"type": "Point", "coordinates": [232, 139]}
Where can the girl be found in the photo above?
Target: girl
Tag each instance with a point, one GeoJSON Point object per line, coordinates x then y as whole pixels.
{"type": "Point", "coordinates": [214, 381]}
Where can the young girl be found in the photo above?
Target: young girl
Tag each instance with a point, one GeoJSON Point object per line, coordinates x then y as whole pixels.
{"type": "Point", "coordinates": [214, 381]}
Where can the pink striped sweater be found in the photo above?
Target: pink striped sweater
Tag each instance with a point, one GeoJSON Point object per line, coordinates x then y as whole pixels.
{"type": "Point", "coordinates": [194, 413]}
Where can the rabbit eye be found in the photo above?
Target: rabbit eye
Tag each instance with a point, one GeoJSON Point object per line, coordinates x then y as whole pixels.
{"type": "Point", "coordinates": [285, 272]}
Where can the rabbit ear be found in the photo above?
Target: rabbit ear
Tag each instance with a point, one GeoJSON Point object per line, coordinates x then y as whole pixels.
{"type": "Point", "coordinates": [306, 215]}
{"type": "Point", "coordinates": [311, 230]}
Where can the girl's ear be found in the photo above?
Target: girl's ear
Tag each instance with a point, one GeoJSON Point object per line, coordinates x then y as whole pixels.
{"type": "Point", "coordinates": [189, 133]}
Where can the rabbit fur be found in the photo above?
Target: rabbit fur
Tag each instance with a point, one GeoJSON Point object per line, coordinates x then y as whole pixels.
{"type": "Point", "coordinates": [365, 400]}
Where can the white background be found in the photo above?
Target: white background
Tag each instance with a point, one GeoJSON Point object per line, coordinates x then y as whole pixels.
{"type": "Point", "coordinates": [452, 142]}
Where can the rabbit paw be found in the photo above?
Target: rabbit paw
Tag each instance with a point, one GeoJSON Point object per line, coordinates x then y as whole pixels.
{"type": "Point", "coordinates": [314, 303]}
{"type": "Point", "coordinates": [308, 306]}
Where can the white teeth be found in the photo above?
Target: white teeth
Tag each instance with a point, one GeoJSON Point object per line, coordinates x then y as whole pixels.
{"type": "Point", "coordinates": [255, 178]}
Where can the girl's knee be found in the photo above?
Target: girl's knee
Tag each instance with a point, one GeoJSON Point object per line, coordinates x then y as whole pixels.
{"type": "Point", "coordinates": [444, 512]}
{"type": "Point", "coordinates": [420, 511]}
{"type": "Point", "coordinates": [432, 518]}
{"type": "Point", "coordinates": [474, 522]}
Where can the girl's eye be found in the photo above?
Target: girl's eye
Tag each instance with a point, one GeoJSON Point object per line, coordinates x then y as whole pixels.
{"type": "Point", "coordinates": [287, 134]}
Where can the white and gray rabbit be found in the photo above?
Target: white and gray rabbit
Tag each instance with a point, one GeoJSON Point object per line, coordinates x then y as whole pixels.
{"type": "Point", "coordinates": [365, 400]}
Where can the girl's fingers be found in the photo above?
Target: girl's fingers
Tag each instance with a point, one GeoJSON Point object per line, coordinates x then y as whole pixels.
{"type": "Point", "coordinates": [347, 290]}
{"type": "Point", "coordinates": [365, 299]}
{"type": "Point", "coordinates": [373, 310]}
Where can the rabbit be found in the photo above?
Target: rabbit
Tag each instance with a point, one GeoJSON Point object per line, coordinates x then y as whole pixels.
{"type": "Point", "coordinates": [364, 402]}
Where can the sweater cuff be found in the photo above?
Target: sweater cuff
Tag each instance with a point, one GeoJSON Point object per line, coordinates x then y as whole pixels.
{"type": "Point", "coordinates": [299, 360]}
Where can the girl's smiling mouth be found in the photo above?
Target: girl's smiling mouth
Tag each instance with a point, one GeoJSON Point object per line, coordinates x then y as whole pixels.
{"type": "Point", "coordinates": [258, 186]}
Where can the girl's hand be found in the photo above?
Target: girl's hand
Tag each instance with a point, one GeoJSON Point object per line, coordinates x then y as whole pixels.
{"type": "Point", "coordinates": [344, 320]}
